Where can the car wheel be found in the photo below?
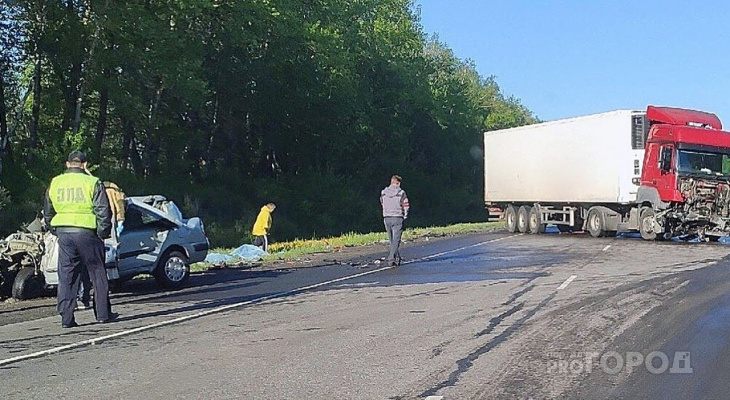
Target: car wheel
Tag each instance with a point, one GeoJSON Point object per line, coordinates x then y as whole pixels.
{"type": "Point", "coordinates": [173, 270]}
{"type": "Point", "coordinates": [27, 284]}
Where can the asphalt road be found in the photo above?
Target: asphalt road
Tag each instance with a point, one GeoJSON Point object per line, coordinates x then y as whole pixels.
{"type": "Point", "coordinates": [491, 316]}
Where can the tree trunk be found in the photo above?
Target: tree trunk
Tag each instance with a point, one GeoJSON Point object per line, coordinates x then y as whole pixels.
{"type": "Point", "coordinates": [130, 154]}
{"type": "Point", "coordinates": [36, 110]}
{"type": "Point", "coordinates": [84, 71]}
{"type": "Point", "coordinates": [208, 156]}
{"type": "Point", "coordinates": [5, 140]}
{"type": "Point", "coordinates": [3, 111]}
{"type": "Point", "coordinates": [126, 140]}
{"type": "Point", "coordinates": [152, 146]}
{"type": "Point", "coordinates": [70, 94]}
{"type": "Point", "coordinates": [101, 125]}
{"type": "Point", "coordinates": [3, 120]}
{"type": "Point", "coordinates": [71, 90]}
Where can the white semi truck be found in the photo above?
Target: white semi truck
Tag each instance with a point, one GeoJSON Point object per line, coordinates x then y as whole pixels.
{"type": "Point", "coordinates": [662, 172]}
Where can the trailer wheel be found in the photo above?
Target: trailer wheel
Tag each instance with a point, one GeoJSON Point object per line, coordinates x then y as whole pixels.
{"type": "Point", "coordinates": [510, 219]}
{"type": "Point", "coordinates": [535, 221]}
{"type": "Point", "coordinates": [595, 224]}
{"type": "Point", "coordinates": [523, 216]}
{"type": "Point", "coordinates": [646, 224]}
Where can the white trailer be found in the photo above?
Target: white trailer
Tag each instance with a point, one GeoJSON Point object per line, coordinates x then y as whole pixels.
{"type": "Point", "coordinates": [564, 172]}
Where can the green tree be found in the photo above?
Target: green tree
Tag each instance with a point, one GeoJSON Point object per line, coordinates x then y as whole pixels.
{"type": "Point", "coordinates": [223, 105]}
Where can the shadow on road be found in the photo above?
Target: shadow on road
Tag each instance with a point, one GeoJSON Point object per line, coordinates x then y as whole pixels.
{"type": "Point", "coordinates": [199, 287]}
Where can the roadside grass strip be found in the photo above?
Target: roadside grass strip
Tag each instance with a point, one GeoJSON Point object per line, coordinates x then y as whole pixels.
{"type": "Point", "coordinates": [300, 247]}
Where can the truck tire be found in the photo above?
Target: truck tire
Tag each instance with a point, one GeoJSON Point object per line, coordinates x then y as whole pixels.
{"type": "Point", "coordinates": [173, 270]}
{"type": "Point", "coordinates": [595, 224]}
{"type": "Point", "coordinates": [27, 284]}
{"type": "Point", "coordinates": [646, 224]}
{"type": "Point", "coordinates": [523, 216]}
{"type": "Point", "coordinates": [535, 221]}
{"type": "Point", "coordinates": [510, 219]}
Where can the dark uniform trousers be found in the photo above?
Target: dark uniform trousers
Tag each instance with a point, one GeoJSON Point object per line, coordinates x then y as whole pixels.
{"type": "Point", "coordinates": [77, 250]}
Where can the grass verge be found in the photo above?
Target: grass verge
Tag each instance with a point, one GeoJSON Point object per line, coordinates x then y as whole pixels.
{"type": "Point", "coordinates": [300, 247]}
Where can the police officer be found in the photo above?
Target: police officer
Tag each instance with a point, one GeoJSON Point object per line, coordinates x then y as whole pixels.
{"type": "Point", "coordinates": [77, 209]}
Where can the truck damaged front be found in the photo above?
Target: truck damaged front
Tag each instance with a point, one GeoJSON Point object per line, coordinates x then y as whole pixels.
{"type": "Point", "coordinates": [704, 184]}
{"type": "Point", "coordinates": [686, 177]}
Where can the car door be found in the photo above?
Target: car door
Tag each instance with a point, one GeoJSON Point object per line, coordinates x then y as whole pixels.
{"type": "Point", "coordinates": [140, 241]}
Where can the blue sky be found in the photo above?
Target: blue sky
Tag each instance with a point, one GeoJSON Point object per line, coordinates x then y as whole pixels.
{"type": "Point", "coordinates": [570, 58]}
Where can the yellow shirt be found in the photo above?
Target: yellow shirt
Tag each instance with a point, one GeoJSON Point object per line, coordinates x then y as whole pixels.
{"type": "Point", "coordinates": [263, 222]}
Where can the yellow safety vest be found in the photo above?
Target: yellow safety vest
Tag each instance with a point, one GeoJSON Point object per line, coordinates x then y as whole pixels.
{"type": "Point", "coordinates": [72, 195]}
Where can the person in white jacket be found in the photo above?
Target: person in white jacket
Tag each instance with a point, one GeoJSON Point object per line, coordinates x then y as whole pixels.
{"type": "Point", "coordinates": [395, 205]}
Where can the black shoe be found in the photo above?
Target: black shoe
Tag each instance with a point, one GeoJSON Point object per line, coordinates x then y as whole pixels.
{"type": "Point", "coordinates": [71, 325]}
{"type": "Point", "coordinates": [393, 264]}
{"type": "Point", "coordinates": [112, 317]}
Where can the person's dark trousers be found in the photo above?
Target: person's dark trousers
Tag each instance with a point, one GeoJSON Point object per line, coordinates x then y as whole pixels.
{"type": "Point", "coordinates": [85, 288]}
{"type": "Point", "coordinates": [108, 305]}
{"type": "Point", "coordinates": [77, 250]}
{"type": "Point", "coordinates": [262, 241]}
{"type": "Point", "coordinates": [394, 227]}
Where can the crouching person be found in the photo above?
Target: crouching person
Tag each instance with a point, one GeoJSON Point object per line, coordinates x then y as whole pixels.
{"type": "Point", "coordinates": [262, 227]}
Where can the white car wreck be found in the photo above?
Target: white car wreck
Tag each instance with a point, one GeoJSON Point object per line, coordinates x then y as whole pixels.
{"type": "Point", "coordinates": [156, 240]}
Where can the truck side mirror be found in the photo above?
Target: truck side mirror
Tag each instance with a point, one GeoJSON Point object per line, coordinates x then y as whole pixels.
{"type": "Point", "coordinates": [665, 159]}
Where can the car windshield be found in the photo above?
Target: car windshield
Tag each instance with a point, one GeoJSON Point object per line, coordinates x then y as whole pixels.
{"type": "Point", "coordinates": [695, 162]}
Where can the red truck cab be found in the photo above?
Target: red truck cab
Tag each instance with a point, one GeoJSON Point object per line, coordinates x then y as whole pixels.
{"type": "Point", "coordinates": [686, 172]}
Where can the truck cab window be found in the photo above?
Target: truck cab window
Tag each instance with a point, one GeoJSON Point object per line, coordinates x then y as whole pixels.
{"type": "Point", "coordinates": [665, 159]}
{"type": "Point", "coordinates": [726, 165]}
{"type": "Point", "coordinates": [701, 163]}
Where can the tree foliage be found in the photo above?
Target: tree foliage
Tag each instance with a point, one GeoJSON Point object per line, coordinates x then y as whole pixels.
{"type": "Point", "coordinates": [223, 105]}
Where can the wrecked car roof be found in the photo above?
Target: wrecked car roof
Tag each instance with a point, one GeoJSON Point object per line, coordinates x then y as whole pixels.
{"type": "Point", "coordinates": [142, 202]}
